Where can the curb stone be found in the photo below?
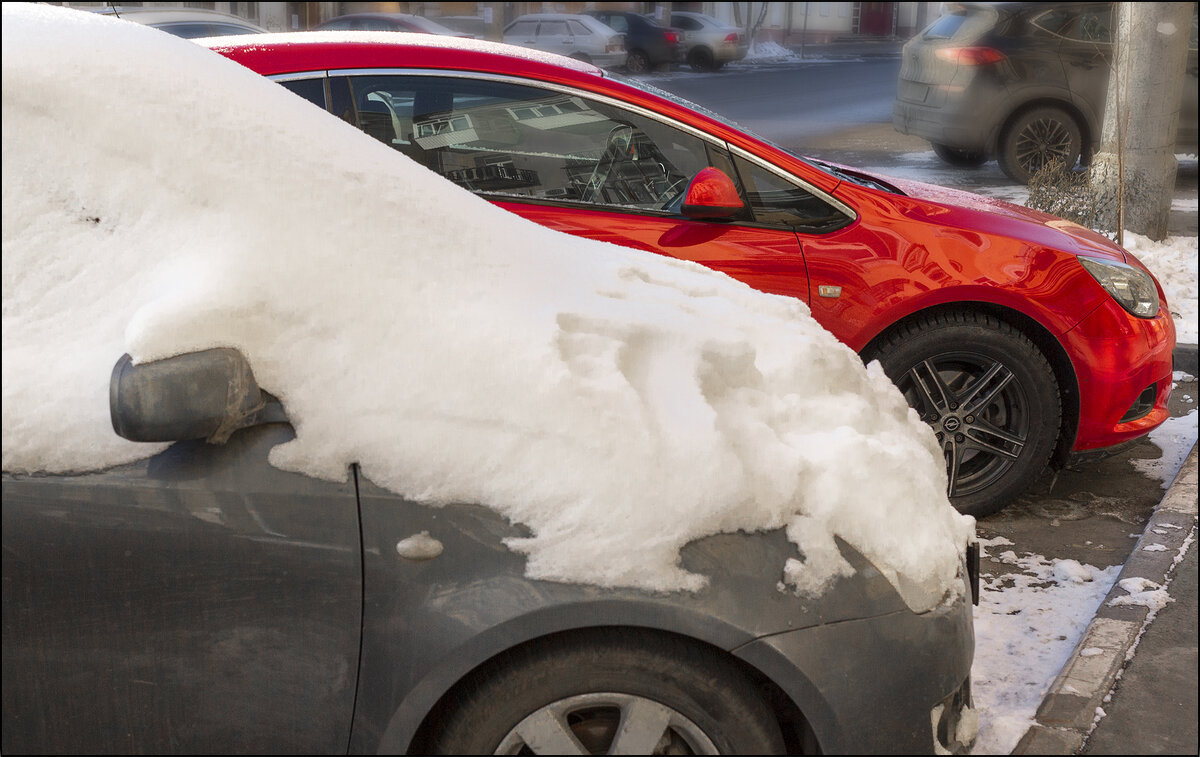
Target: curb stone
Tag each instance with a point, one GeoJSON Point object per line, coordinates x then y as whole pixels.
{"type": "Point", "coordinates": [1185, 358]}
{"type": "Point", "coordinates": [1068, 711]}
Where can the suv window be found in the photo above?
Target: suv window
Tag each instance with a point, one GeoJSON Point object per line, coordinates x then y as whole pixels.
{"type": "Point", "coordinates": [1094, 25]}
{"type": "Point", "coordinates": [618, 23]}
{"type": "Point", "coordinates": [505, 139]}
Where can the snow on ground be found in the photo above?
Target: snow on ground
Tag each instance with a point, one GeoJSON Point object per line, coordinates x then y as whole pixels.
{"type": "Point", "coordinates": [1026, 626]}
{"type": "Point", "coordinates": [1174, 263]}
{"type": "Point", "coordinates": [1175, 438]}
{"type": "Point", "coordinates": [618, 403]}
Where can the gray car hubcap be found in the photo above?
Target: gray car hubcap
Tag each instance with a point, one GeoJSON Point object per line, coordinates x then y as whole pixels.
{"type": "Point", "coordinates": [606, 723]}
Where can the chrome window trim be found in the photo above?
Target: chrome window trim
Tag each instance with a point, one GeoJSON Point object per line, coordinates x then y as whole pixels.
{"type": "Point", "coordinates": [299, 75]}
{"type": "Point", "coordinates": [781, 173]}
{"type": "Point", "coordinates": [560, 88]}
{"type": "Point", "coordinates": [613, 102]}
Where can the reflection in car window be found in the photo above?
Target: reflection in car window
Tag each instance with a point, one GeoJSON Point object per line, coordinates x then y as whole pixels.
{"type": "Point", "coordinates": [505, 139]}
{"type": "Point", "coordinates": [1054, 21]}
{"type": "Point", "coordinates": [779, 202]}
{"type": "Point", "coordinates": [1094, 25]}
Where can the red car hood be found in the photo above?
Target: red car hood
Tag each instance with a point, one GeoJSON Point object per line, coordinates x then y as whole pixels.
{"type": "Point", "coordinates": [954, 207]}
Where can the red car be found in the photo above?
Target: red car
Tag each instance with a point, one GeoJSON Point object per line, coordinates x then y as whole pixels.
{"type": "Point", "coordinates": [1019, 337]}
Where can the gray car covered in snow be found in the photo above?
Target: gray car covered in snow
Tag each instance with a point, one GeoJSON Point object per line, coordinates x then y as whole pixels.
{"type": "Point", "coordinates": [204, 601]}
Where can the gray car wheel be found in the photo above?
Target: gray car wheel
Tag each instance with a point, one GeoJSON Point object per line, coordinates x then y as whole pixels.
{"type": "Point", "coordinates": [637, 62]}
{"type": "Point", "coordinates": [610, 692]}
{"type": "Point", "coordinates": [702, 59]}
{"type": "Point", "coordinates": [1036, 138]}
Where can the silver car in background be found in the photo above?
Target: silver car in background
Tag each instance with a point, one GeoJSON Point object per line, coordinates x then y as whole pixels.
{"type": "Point", "coordinates": [708, 43]}
{"type": "Point", "coordinates": [580, 37]}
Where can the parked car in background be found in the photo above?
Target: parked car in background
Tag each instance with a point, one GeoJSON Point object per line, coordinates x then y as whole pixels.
{"type": "Point", "coordinates": [473, 25]}
{"type": "Point", "coordinates": [1020, 338]}
{"type": "Point", "coordinates": [650, 45]}
{"type": "Point", "coordinates": [1024, 83]}
{"type": "Point", "coordinates": [708, 43]}
{"type": "Point", "coordinates": [189, 23]}
{"type": "Point", "coordinates": [388, 22]}
{"type": "Point", "coordinates": [575, 36]}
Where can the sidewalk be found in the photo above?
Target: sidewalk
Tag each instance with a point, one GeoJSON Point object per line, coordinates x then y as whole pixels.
{"type": "Point", "coordinates": [1153, 708]}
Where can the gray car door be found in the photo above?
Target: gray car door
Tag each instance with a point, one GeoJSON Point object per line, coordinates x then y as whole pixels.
{"type": "Point", "coordinates": [200, 601]}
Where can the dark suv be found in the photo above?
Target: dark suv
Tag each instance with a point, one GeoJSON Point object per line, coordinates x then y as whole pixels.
{"type": "Point", "coordinates": [1022, 82]}
{"type": "Point", "coordinates": [650, 45]}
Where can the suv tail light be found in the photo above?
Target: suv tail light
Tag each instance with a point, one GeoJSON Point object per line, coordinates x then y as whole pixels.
{"type": "Point", "coordinates": [672, 37]}
{"type": "Point", "coordinates": [970, 56]}
{"type": "Point", "coordinates": [731, 37]}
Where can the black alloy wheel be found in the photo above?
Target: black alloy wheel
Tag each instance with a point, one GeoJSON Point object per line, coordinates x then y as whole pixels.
{"type": "Point", "coordinates": [990, 396]}
{"type": "Point", "coordinates": [1035, 139]}
{"type": "Point", "coordinates": [609, 691]}
{"type": "Point", "coordinates": [956, 156]}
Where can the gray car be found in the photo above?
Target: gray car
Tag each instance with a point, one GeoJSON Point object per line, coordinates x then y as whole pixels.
{"type": "Point", "coordinates": [1022, 82]}
{"type": "Point", "coordinates": [575, 36]}
{"type": "Point", "coordinates": [708, 43]}
{"type": "Point", "coordinates": [202, 601]}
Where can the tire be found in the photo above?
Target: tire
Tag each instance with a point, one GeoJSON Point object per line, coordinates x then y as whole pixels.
{"type": "Point", "coordinates": [572, 692]}
{"type": "Point", "coordinates": [701, 59]}
{"type": "Point", "coordinates": [637, 62]}
{"type": "Point", "coordinates": [996, 443]}
{"type": "Point", "coordinates": [958, 157]}
{"type": "Point", "coordinates": [1037, 137]}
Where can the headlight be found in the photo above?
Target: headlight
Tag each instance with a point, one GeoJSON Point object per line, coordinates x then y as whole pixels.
{"type": "Point", "coordinates": [1131, 287]}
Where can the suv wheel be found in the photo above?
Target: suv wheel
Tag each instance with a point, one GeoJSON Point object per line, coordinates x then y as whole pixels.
{"type": "Point", "coordinates": [990, 396]}
{"type": "Point", "coordinates": [956, 156]}
{"type": "Point", "coordinates": [610, 692]}
{"type": "Point", "coordinates": [1036, 138]}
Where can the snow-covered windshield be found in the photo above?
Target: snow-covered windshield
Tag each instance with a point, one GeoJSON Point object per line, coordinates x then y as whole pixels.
{"type": "Point", "coordinates": [160, 199]}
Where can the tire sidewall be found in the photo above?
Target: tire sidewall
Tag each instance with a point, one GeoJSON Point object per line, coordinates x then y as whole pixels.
{"type": "Point", "coordinates": [698, 690]}
{"type": "Point", "coordinates": [1029, 368]}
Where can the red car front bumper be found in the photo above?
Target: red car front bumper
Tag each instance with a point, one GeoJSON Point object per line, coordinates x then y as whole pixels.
{"type": "Point", "coordinates": [1117, 359]}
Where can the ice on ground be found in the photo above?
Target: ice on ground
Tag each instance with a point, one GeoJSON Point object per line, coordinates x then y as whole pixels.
{"type": "Point", "coordinates": [617, 403]}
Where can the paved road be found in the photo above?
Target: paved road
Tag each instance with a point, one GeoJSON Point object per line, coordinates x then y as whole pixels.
{"type": "Point", "coordinates": [793, 104]}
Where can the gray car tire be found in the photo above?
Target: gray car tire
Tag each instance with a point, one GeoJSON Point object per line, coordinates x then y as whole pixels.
{"type": "Point", "coordinates": [702, 59]}
{"type": "Point", "coordinates": [1036, 138]}
{"type": "Point", "coordinates": [637, 62]}
{"type": "Point", "coordinates": [592, 692]}
{"type": "Point", "coordinates": [989, 394]}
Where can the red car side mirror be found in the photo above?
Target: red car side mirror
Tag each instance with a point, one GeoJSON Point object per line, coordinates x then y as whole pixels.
{"type": "Point", "coordinates": [711, 194]}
